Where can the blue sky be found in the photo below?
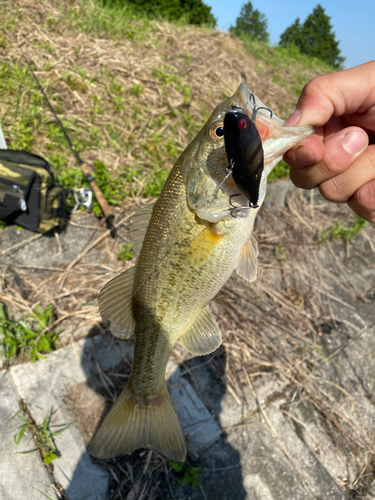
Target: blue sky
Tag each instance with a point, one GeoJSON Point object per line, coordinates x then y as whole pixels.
{"type": "Point", "coordinates": [353, 22]}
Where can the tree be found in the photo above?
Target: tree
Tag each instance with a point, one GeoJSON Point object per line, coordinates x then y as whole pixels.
{"type": "Point", "coordinates": [252, 23]}
{"type": "Point", "coordinates": [292, 35]}
{"type": "Point", "coordinates": [314, 38]}
{"type": "Point", "coordinates": [198, 12]}
{"type": "Point", "coordinates": [195, 11]}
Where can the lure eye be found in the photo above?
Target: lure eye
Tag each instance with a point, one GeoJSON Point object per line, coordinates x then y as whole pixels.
{"type": "Point", "coordinates": [242, 123]}
{"type": "Point", "coordinates": [217, 131]}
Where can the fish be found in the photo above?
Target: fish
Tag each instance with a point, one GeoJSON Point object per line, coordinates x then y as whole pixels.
{"type": "Point", "coordinates": [188, 244]}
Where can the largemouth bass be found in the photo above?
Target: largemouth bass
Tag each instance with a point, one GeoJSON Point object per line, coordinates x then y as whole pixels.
{"type": "Point", "coordinates": [191, 242]}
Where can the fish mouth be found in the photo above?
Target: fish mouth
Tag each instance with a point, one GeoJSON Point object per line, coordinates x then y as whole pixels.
{"type": "Point", "coordinates": [276, 139]}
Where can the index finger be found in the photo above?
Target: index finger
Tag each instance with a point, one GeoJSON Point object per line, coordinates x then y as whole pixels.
{"type": "Point", "coordinates": [338, 94]}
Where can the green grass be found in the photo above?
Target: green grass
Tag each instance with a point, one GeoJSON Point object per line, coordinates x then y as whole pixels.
{"type": "Point", "coordinates": [116, 20]}
{"type": "Point", "coordinates": [156, 182]}
{"type": "Point", "coordinates": [186, 475]}
{"type": "Point", "coordinates": [126, 252]}
{"type": "Point", "coordinates": [281, 171]}
{"type": "Point", "coordinates": [285, 59]}
{"type": "Point", "coordinates": [43, 434]}
{"type": "Point", "coordinates": [340, 232]}
{"type": "Point", "coordinates": [30, 336]}
{"type": "Point", "coordinates": [31, 117]}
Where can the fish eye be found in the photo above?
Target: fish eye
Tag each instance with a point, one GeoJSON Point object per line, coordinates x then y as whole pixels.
{"type": "Point", "coordinates": [217, 131]}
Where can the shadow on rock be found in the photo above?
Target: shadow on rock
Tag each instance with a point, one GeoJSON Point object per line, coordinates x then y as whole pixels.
{"type": "Point", "coordinates": [209, 473]}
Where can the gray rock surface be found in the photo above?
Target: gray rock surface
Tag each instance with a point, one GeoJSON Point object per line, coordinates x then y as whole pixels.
{"type": "Point", "coordinates": [43, 386]}
{"type": "Point", "coordinates": [22, 476]}
{"type": "Point", "coordinates": [45, 250]}
{"type": "Point", "coordinates": [46, 386]}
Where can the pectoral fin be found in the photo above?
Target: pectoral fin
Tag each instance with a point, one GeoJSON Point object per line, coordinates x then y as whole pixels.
{"type": "Point", "coordinates": [115, 304]}
{"type": "Point", "coordinates": [247, 264]}
{"type": "Point", "coordinates": [204, 336]}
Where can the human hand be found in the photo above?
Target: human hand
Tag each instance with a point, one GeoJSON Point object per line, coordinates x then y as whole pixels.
{"type": "Point", "coordinates": [338, 158]}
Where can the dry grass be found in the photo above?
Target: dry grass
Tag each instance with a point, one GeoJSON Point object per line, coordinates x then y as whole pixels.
{"type": "Point", "coordinates": [297, 320]}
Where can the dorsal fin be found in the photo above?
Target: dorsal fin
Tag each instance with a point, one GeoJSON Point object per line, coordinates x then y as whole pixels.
{"type": "Point", "coordinates": [204, 335]}
{"type": "Point", "coordinates": [115, 304]}
{"type": "Point", "coordinates": [138, 228]}
{"type": "Point", "coordinates": [247, 263]}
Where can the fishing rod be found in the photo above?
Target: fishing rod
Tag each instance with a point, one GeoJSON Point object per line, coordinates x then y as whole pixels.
{"type": "Point", "coordinates": [109, 217]}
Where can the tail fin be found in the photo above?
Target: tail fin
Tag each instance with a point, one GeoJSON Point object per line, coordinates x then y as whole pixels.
{"type": "Point", "coordinates": [136, 421]}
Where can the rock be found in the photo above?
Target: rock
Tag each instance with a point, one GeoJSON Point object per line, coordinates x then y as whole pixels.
{"type": "Point", "coordinates": [22, 475]}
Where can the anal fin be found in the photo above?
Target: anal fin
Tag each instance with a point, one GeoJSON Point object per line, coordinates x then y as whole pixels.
{"type": "Point", "coordinates": [247, 263]}
{"type": "Point", "coordinates": [204, 336]}
{"type": "Point", "coordinates": [115, 304]}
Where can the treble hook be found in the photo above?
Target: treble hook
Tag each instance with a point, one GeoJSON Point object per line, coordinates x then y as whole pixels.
{"type": "Point", "coordinates": [236, 209]}
{"type": "Point", "coordinates": [255, 109]}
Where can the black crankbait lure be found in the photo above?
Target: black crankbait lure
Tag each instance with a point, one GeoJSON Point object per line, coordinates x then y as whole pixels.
{"type": "Point", "coordinates": [244, 150]}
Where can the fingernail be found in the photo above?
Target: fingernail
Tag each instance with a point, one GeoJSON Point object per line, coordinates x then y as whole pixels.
{"type": "Point", "coordinates": [354, 141]}
{"type": "Point", "coordinates": [294, 118]}
{"type": "Point", "coordinates": [305, 155]}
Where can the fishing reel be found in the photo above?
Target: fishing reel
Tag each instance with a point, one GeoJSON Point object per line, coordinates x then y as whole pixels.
{"type": "Point", "coordinates": [82, 198]}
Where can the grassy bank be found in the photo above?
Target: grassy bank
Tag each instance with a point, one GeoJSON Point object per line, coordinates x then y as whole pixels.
{"type": "Point", "coordinates": [131, 91]}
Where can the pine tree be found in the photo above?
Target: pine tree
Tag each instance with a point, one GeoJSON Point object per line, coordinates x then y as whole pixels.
{"type": "Point", "coordinates": [251, 23]}
{"type": "Point", "coordinates": [314, 38]}
{"type": "Point", "coordinates": [292, 35]}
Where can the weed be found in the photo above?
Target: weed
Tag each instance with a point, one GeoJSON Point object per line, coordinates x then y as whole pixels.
{"type": "Point", "coordinates": [126, 252]}
{"type": "Point", "coordinates": [30, 335]}
{"type": "Point", "coordinates": [108, 186]}
{"type": "Point", "coordinates": [76, 80]}
{"type": "Point", "coordinates": [137, 89]}
{"type": "Point", "coordinates": [42, 433]}
{"type": "Point", "coordinates": [338, 231]}
{"type": "Point", "coordinates": [279, 252]}
{"type": "Point", "coordinates": [117, 19]}
{"type": "Point", "coordinates": [321, 352]}
{"type": "Point", "coordinates": [279, 172]}
{"type": "Point", "coordinates": [186, 474]}
{"type": "Point", "coordinates": [276, 78]}
{"type": "Point", "coordinates": [285, 59]}
{"type": "Point", "coordinates": [156, 183]}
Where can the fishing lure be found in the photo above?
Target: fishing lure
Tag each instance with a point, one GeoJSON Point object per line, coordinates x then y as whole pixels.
{"type": "Point", "coordinates": [244, 150]}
